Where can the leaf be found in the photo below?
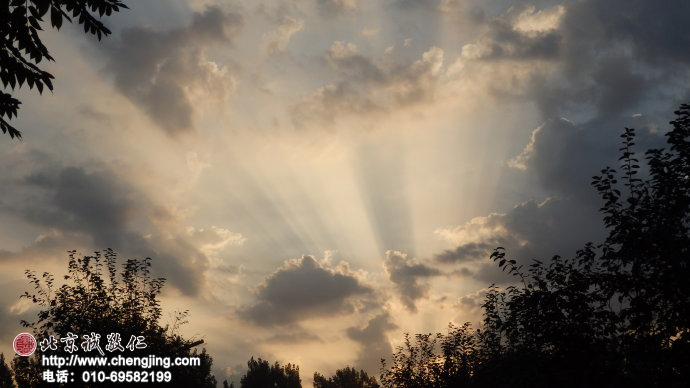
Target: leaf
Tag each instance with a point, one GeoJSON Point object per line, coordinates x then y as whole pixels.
{"type": "Point", "coordinates": [56, 17]}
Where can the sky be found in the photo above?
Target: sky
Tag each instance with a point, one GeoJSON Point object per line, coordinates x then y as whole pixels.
{"type": "Point", "coordinates": [315, 178]}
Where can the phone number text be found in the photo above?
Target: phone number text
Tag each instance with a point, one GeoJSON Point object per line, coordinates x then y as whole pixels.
{"type": "Point", "coordinates": [126, 376]}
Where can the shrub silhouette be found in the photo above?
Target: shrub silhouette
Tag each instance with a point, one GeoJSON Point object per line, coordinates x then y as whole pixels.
{"type": "Point", "coordinates": [261, 374]}
{"type": "Point", "coordinates": [347, 377]}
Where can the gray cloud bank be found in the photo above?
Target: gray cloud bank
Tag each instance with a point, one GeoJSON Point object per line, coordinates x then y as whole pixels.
{"type": "Point", "coordinates": [157, 70]}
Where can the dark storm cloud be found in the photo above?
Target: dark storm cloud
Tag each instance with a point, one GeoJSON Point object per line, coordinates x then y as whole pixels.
{"type": "Point", "coordinates": [304, 289]}
{"type": "Point", "coordinates": [93, 208]}
{"type": "Point", "coordinates": [154, 69]}
{"type": "Point", "coordinates": [614, 59]}
{"type": "Point", "coordinates": [610, 56]}
{"type": "Point", "coordinates": [599, 64]}
{"type": "Point", "coordinates": [656, 33]}
{"type": "Point", "coordinates": [603, 58]}
{"type": "Point", "coordinates": [528, 231]}
{"type": "Point", "coordinates": [550, 153]}
{"type": "Point", "coordinates": [407, 274]}
{"type": "Point", "coordinates": [619, 86]}
{"type": "Point", "coordinates": [98, 203]}
{"type": "Point", "coordinates": [374, 341]}
{"type": "Point", "coordinates": [564, 156]}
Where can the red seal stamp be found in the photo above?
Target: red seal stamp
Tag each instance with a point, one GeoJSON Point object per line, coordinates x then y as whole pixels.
{"type": "Point", "coordinates": [24, 344]}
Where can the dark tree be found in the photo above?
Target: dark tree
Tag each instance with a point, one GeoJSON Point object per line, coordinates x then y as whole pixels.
{"type": "Point", "coordinates": [6, 375]}
{"type": "Point", "coordinates": [346, 378]}
{"type": "Point", "coordinates": [99, 298]}
{"type": "Point", "coordinates": [434, 361]}
{"type": "Point", "coordinates": [27, 372]}
{"type": "Point", "coordinates": [616, 314]}
{"type": "Point", "coordinates": [261, 374]}
{"type": "Point", "coordinates": [21, 49]}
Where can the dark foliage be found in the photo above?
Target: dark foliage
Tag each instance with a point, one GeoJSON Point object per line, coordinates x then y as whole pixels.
{"type": "Point", "coordinates": [6, 375]}
{"type": "Point", "coordinates": [346, 378]}
{"type": "Point", "coordinates": [99, 298]}
{"type": "Point", "coordinates": [261, 374]}
{"type": "Point", "coordinates": [21, 49]}
{"type": "Point", "coordinates": [434, 360]}
{"type": "Point", "coordinates": [225, 384]}
{"type": "Point", "coordinates": [616, 314]}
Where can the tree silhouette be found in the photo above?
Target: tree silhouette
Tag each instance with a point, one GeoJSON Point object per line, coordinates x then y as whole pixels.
{"type": "Point", "coordinates": [6, 375]}
{"type": "Point", "coordinates": [225, 384]}
{"type": "Point", "coordinates": [436, 360]}
{"type": "Point", "coordinates": [99, 298]}
{"type": "Point", "coordinates": [347, 377]}
{"type": "Point", "coordinates": [21, 49]}
{"type": "Point", "coordinates": [616, 314]}
{"type": "Point", "coordinates": [260, 374]}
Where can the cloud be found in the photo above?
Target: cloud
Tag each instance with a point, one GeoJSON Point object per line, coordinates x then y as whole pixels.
{"type": "Point", "coordinates": [369, 87]}
{"type": "Point", "coordinates": [607, 58]}
{"type": "Point", "coordinates": [470, 251]}
{"type": "Point", "coordinates": [345, 58]}
{"type": "Point", "coordinates": [13, 309]}
{"type": "Point", "coordinates": [549, 152]}
{"type": "Point", "coordinates": [94, 207]}
{"type": "Point", "coordinates": [336, 7]}
{"type": "Point", "coordinates": [506, 40]}
{"type": "Point", "coordinates": [564, 156]}
{"type": "Point", "coordinates": [294, 338]}
{"type": "Point", "coordinates": [276, 41]}
{"type": "Point", "coordinates": [102, 206]}
{"type": "Point", "coordinates": [161, 72]}
{"type": "Point", "coordinates": [529, 231]}
{"type": "Point", "coordinates": [533, 20]}
{"type": "Point", "coordinates": [214, 239]}
{"type": "Point", "coordinates": [96, 202]}
{"type": "Point", "coordinates": [374, 341]}
{"type": "Point", "coordinates": [654, 33]}
{"type": "Point", "coordinates": [369, 32]}
{"type": "Point", "coordinates": [469, 307]}
{"type": "Point", "coordinates": [406, 273]}
{"type": "Point", "coordinates": [302, 289]}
